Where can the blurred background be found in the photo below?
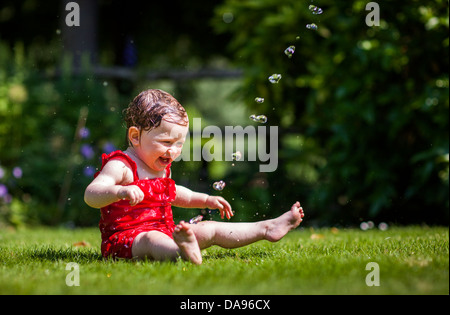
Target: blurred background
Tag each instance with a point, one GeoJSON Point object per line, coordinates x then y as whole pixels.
{"type": "Point", "coordinates": [363, 112]}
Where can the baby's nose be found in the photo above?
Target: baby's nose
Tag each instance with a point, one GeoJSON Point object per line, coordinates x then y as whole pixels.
{"type": "Point", "coordinates": [172, 152]}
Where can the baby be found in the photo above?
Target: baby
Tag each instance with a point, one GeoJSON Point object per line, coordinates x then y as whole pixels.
{"type": "Point", "coordinates": [134, 191]}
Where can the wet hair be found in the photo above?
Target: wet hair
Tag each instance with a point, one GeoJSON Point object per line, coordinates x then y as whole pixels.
{"type": "Point", "coordinates": [148, 109]}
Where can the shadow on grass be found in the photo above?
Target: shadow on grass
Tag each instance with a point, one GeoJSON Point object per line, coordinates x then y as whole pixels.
{"type": "Point", "coordinates": [92, 255]}
{"type": "Point", "coordinates": [85, 255]}
{"type": "Point", "coordinates": [240, 254]}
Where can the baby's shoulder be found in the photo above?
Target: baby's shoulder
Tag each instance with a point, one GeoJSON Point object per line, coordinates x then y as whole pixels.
{"type": "Point", "coordinates": [120, 169]}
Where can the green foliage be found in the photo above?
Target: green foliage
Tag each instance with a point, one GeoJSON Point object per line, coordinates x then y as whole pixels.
{"type": "Point", "coordinates": [39, 135]}
{"type": "Point", "coordinates": [368, 105]}
{"type": "Point", "coordinates": [362, 111]}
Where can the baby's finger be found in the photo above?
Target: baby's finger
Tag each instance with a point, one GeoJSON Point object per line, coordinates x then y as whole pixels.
{"type": "Point", "coordinates": [133, 201]}
{"type": "Point", "coordinates": [227, 208]}
{"type": "Point", "coordinates": [136, 197]}
{"type": "Point", "coordinates": [220, 207]}
{"type": "Point", "coordinates": [229, 212]}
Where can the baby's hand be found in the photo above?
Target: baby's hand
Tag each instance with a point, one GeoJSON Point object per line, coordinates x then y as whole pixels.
{"type": "Point", "coordinates": [216, 202]}
{"type": "Point", "coordinates": [132, 193]}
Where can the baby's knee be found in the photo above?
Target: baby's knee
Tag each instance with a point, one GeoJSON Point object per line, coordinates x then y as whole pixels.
{"type": "Point", "coordinates": [205, 232]}
{"type": "Point", "coordinates": [154, 246]}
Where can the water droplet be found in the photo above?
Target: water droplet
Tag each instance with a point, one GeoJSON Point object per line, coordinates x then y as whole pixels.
{"type": "Point", "coordinates": [315, 9]}
{"type": "Point", "coordinates": [196, 219]}
{"type": "Point", "coordinates": [237, 156]}
{"type": "Point", "coordinates": [228, 17]}
{"type": "Point", "coordinates": [260, 118]}
{"type": "Point", "coordinates": [219, 186]}
{"type": "Point", "coordinates": [364, 226]}
{"type": "Point", "coordinates": [290, 51]}
{"type": "Point", "coordinates": [275, 78]}
{"type": "Point", "coordinates": [312, 26]}
{"type": "Point", "coordinates": [259, 100]}
{"type": "Point", "coordinates": [383, 226]}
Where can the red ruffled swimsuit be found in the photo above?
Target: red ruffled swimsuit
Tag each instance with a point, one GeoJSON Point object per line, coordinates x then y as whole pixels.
{"type": "Point", "coordinates": [120, 223]}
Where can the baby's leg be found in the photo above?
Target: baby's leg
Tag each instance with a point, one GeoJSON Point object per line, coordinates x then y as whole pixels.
{"type": "Point", "coordinates": [233, 235]}
{"type": "Point", "coordinates": [158, 246]}
{"type": "Point", "coordinates": [154, 245]}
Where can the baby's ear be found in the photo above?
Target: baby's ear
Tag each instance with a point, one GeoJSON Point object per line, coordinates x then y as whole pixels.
{"type": "Point", "coordinates": [134, 135]}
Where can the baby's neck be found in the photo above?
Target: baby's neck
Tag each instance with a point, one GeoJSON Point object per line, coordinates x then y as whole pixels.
{"type": "Point", "coordinates": [144, 172]}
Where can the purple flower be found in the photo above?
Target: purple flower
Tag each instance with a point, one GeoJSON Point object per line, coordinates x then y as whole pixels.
{"type": "Point", "coordinates": [84, 133]}
{"type": "Point", "coordinates": [108, 147]}
{"type": "Point", "coordinates": [87, 151]}
{"type": "Point", "coordinates": [17, 172]}
{"type": "Point", "coordinates": [3, 191]}
{"type": "Point", "coordinates": [89, 171]}
{"type": "Point", "coordinates": [7, 198]}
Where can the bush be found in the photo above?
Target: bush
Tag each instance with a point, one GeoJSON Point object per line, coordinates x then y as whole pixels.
{"type": "Point", "coordinates": [367, 105]}
{"type": "Point", "coordinates": [49, 142]}
{"type": "Point", "coordinates": [362, 114]}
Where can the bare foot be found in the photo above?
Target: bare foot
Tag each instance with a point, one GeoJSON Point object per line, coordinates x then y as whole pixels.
{"type": "Point", "coordinates": [187, 242]}
{"type": "Point", "coordinates": [280, 226]}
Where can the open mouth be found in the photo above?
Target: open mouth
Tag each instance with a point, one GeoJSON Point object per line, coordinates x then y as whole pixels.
{"type": "Point", "coordinates": [165, 161]}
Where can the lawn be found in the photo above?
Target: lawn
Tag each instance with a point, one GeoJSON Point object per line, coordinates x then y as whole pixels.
{"type": "Point", "coordinates": [411, 260]}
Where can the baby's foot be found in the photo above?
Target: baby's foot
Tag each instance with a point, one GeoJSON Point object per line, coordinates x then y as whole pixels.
{"type": "Point", "coordinates": [280, 226]}
{"type": "Point", "coordinates": [185, 238]}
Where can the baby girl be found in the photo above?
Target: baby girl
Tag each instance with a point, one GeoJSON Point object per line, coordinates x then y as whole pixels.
{"type": "Point", "coordinates": [135, 192]}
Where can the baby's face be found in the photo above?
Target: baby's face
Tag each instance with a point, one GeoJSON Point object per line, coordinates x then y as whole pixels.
{"type": "Point", "coordinates": [162, 145]}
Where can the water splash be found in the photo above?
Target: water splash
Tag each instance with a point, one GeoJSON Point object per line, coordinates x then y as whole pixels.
{"type": "Point", "coordinates": [290, 51]}
{"type": "Point", "coordinates": [383, 226]}
{"type": "Point", "coordinates": [312, 26]}
{"type": "Point", "coordinates": [275, 78]}
{"type": "Point", "coordinates": [196, 219]}
{"type": "Point", "coordinates": [260, 118]}
{"type": "Point", "coordinates": [315, 9]}
{"type": "Point", "coordinates": [219, 186]}
{"type": "Point", "coordinates": [237, 156]}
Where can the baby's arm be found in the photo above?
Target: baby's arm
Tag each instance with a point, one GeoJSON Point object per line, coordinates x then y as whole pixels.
{"type": "Point", "coordinates": [187, 198]}
{"type": "Point", "coordinates": [108, 187]}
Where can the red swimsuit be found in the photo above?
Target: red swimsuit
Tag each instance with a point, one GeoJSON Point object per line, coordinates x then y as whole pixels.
{"type": "Point", "coordinates": [120, 223]}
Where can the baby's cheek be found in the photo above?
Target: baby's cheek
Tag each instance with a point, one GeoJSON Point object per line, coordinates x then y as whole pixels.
{"type": "Point", "coordinates": [178, 152]}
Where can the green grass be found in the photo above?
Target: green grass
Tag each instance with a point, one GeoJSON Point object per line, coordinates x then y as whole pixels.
{"type": "Point", "coordinates": [412, 260]}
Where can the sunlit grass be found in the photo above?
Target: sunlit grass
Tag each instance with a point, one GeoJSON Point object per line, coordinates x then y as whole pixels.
{"type": "Point", "coordinates": [412, 260]}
